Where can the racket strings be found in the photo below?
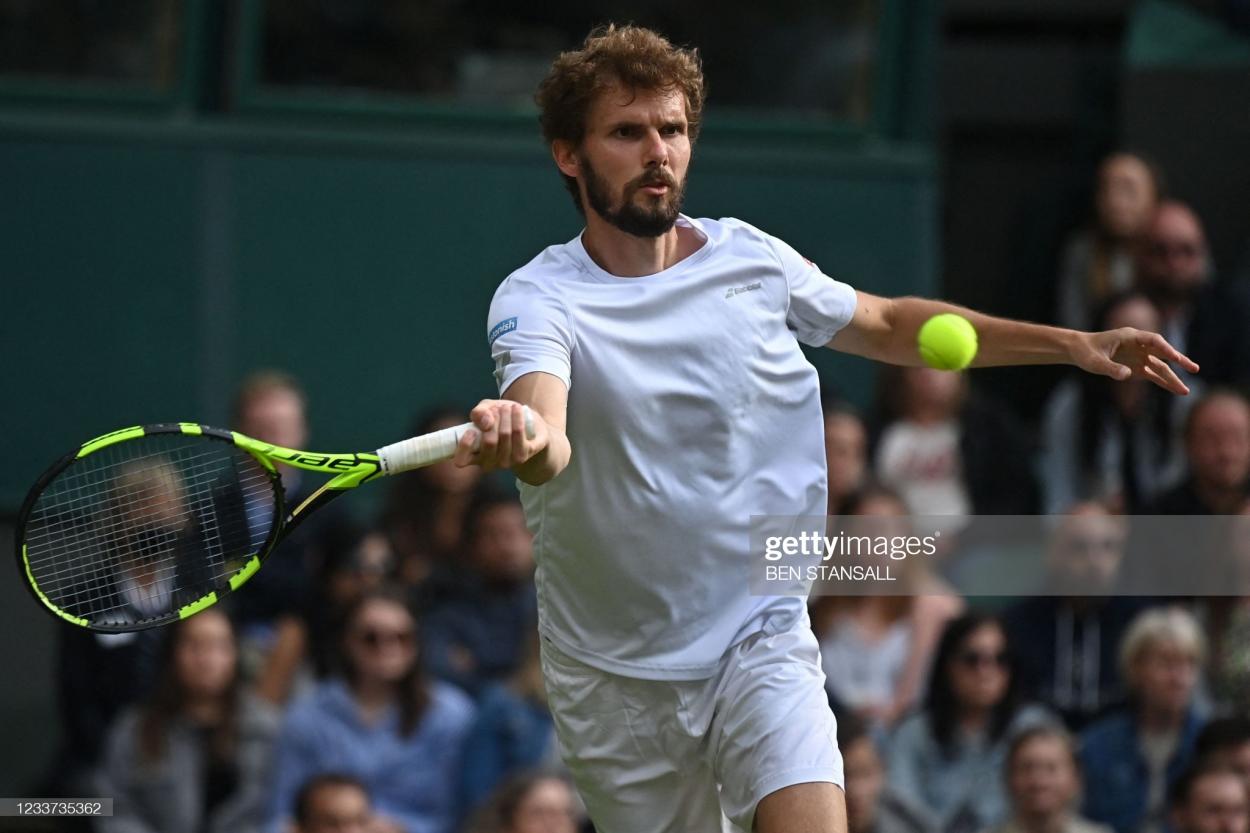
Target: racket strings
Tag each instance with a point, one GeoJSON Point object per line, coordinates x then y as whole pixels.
{"type": "Point", "coordinates": [196, 479]}
{"type": "Point", "coordinates": [213, 534]}
{"type": "Point", "coordinates": [142, 560]}
{"type": "Point", "coordinates": [136, 530]}
{"type": "Point", "coordinates": [126, 532]}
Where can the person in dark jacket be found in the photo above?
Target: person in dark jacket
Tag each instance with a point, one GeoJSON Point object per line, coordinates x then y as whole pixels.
{"type": "Point", "coordinates": [1202, 316]}
{"type": "Point", "coordinates": [1217, 446]}
{"type": "Point", "coordinates": [475, 628]}
{"type": "Point", "coordinates": [1066, 639]}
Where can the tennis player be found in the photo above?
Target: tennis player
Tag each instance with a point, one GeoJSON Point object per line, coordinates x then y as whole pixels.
{"type": "Point", "coordinates": [661, 354]}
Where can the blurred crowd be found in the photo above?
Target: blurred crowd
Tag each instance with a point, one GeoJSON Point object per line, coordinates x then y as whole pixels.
{"type": "Point", "coordinates": [384, 677]}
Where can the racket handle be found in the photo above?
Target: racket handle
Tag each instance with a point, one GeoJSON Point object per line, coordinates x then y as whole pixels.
{"type": "Point", "coordinates": [435, 447]}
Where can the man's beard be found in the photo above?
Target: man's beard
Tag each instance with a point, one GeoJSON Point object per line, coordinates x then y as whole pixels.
{"type": "Point", "coordinates": [641, 221]}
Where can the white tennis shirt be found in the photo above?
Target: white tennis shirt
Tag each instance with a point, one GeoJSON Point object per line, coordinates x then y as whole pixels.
{"type": "Point", "coordinates": [691, 408]}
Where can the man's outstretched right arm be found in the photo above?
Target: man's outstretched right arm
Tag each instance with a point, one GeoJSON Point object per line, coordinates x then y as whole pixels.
{"type": "Point", "coordinates": [502, 427]}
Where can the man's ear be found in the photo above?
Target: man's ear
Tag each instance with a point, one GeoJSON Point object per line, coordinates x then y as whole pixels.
{"type": "Point", "coordinates": [565, 155]}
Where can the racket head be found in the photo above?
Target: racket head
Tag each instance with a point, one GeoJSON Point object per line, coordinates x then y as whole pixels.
{"type": "Point", "coordinates": [147, 525]}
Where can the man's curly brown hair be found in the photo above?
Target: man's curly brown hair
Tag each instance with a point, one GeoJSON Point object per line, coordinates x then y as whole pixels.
{"type": "Point", "coordinates": [627, 56]}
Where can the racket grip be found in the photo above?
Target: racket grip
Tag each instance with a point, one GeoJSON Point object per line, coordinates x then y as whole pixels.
{"type": "Point", "coordinates": [435, 447]}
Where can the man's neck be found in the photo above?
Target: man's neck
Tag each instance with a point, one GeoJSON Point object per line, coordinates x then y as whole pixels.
{"type": "Point", "coordinates": [627, 256]}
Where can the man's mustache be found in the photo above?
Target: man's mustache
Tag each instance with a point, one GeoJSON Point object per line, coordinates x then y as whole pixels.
{"type": "Point", "coordinates": [657, 178]}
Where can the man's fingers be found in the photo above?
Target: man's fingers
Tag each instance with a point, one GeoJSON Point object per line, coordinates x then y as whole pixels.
{"type": "Point", "coordinates": [1158, 346]}
{"type": "Point", "coordinates": [519, 445]}
{"type": "Point", "coordinates": [1168, 376]}
{"type": "Point", "coordinates": [465, 451]}
{"type": "Point", "coordinates": [502, 438]}
{"type": "Point", "coordinates": [503, 450]}
{"type": "Point", "coordinates": [481, 415]}
{"type": "Point", "coordinates": [489, 425]}
{"type": "Point", "coordinates": [1161, 375]}
{"type": "Point", "coordinates": [1154, 377]}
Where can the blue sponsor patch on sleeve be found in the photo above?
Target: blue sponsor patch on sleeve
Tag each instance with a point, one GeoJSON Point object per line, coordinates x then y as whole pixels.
{"type": "Point", "coordinates": [505, 326]}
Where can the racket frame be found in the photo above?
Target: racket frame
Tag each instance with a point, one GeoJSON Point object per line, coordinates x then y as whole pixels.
{"type": "Point", "coordinates": [347, 470]}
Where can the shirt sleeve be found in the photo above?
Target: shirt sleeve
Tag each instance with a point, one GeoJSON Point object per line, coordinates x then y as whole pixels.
{"type": "Point", "coordinates": [819, 305]}
{"type": "Point", "coordinates": [528, 331]}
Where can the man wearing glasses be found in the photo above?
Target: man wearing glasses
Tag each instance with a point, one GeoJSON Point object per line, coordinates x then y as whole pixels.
{"type": "Point", "coordinates": [1202, 317]}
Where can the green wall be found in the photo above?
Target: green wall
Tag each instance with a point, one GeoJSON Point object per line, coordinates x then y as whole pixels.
{"type": "Point", "coordinates": [149, 265]}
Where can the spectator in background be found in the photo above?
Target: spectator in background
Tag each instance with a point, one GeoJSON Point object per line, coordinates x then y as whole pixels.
{"type": "Point", "coordinates": [97, 676]}
{"type": "Point", "coordinates": [345, 575]}
{"type": "Point", "coordinates": [1133, 755]}
{"type": "Point", "coordinates": [1044, 782]}
{"type": "Point", "coordinates": [948, 452]}
{"type": "Point", "coordinates": [1227, 619]}
{"type": "Point", "coordinates": [532, 802]}
{"type": "Point", "coordinates": [195, 757]}
{"type": "Point", "coordinates": [1115, 442]}
{"type": "Point", "coordinates": [513, 730]}
{"type": "Point", "coordinates": [948, 758]}
{"type": "Point", "coordinates": [425, 510]}
{"type": "Point", "coordinates": [1217, 446]}
{"type": "Point", "coordinates": [333, 803]}
{"type": "Point", "coordinates": [381, 722]}
{"type": "Point", "coordinates": [270, 406]}
{"type": "Point", "coordinates": [876, 650]}
{"type": "Point", "coordinates": [1209, 800]}
{"type": "Point", "coordinates": [476, 627]}
{"type": "Point", "coordinates": [1066, 638]}
{"type": "Point", "coordinates": [872, 806]}
{"type": "Point", "coordinates": [1225, 744]}
{"type": "Point", "coordinates": [1202, 317]}
{"type": "Point", "coordinates": [1097, 261]}
{"type": "Point", "coordinates": [846, 452]}
{"type": "Point", "coordinates": [100, 673]}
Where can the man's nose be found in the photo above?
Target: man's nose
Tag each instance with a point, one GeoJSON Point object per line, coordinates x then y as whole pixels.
{"type": "Point", "coordinates": [656, 148]}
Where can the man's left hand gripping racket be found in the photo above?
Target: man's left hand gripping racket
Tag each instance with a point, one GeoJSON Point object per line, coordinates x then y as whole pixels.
{"type": "Point", "coordinates": [152, 524]}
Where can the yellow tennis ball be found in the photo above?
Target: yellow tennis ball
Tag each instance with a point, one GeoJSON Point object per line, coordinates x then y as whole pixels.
{"type": "Point", "coordinates": [947, 342]}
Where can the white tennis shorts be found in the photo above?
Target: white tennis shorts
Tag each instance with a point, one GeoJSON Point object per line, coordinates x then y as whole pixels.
{"type": "Point", "coordinates": [695, 756]}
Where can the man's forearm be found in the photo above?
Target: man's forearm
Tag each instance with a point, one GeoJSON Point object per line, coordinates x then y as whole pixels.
{"type": "Point", "coordinates": [1001, 341]}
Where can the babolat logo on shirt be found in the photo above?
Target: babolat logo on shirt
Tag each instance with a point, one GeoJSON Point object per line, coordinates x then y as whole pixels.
{"type": "Point", "coordinates": [738, 290]}
{"type": "Point", "coordinates": [505, 326]}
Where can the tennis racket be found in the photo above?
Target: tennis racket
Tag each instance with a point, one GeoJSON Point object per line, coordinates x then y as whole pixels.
{"type": "Point", "coordinates": [152, 524]}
